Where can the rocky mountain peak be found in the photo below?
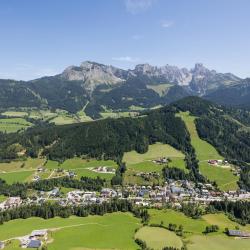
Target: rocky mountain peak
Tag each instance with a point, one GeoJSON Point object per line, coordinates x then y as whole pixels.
{"type": "Point", "coordinates": [199, 79]}
{"type": "Point", "coordinates": [93, 74]}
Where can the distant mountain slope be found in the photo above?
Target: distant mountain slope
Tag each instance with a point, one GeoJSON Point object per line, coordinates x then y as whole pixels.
{"type": "Point", "coordinates": [235, 95]}
{"type": "Point", "coordinates": [106, 86]}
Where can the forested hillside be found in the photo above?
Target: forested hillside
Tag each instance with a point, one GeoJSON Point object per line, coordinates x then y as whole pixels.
{"type": "Point", "coordinates": [110, 138]}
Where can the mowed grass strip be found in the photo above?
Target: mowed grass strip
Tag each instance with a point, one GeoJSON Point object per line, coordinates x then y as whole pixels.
{"type": "Point", "coordinates": [157, 238]}
{"type": "Point", "coordinates": [154, 151]}
{"type": "Point", "coordinates": [111, 231]}
{"type": "Point", "coordinates": [205, 151]}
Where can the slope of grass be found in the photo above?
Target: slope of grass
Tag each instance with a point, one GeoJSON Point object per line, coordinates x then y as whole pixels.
{"type": "Point", "coordinates": [223, 222]}
{"type": "Point", "coordinates": [205, 151]}
{"type": "Point", "coordinates": [157, 238]}
{"type": "Point", "coordinates": [19, 176]}
{"type": "Point", "coordinates": [29, 164]}
{"type": "Point", "coordinates": [160, 89]}
{"type": "Point", "coordinates": [223, 177]}
{"type": "Point", "coordinates": [217, 242]}
{"type": "Point", "coordinates": [196, 226]}
{"type": "Point", "coordinates": [81, 167]}
{"type": "Point", "coordinates": [154, 151]}
{"type": "Point", "coordinates": [10, 125]}
{"type": "Point", "coordinates": [2, 198]}
{"type": "Point", "coordinates": [111, 231]}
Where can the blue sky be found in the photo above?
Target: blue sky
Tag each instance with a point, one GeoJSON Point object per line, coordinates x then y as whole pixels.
{"type": "Point", "coordinates": [42, 37]}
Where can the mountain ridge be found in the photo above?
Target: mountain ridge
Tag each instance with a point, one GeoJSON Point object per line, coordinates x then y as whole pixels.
{"type": "Point", "coordinates": [102, 85]}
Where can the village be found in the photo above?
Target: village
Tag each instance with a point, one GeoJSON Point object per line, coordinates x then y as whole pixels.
{"type": "Point", "coordinates": [170, 193]}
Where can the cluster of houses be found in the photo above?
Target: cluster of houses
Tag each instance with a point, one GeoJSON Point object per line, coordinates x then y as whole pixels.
{"type": "Point", "coordinates": [217, 162]}
{"type": "Point", "coordinates": [103, 170]}
{"type": "Point", "coordinates": [172, 192]}
{"type": "Point", "coordinates": [148, 175]}
{"type": "Point", "coordinates": [160, 161]}
{"type": "Point", "coordinates": [11, 202]}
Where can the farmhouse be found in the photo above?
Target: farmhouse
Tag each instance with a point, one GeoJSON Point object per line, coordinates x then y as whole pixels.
{"type": "Point", "coordinates": [238, 233]}
{"type": "Point", "coordinates": [213, 162]}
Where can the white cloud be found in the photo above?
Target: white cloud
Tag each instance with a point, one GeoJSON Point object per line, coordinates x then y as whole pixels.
{"type": "Point", "coordinates": [136, 6]}
{"type": "Point", "coordinates": [167, 23]}
{"type": "Point", "coordinates": [126, 59]}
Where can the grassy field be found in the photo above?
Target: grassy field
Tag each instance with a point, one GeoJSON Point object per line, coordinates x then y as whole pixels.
{"type": "Point", "coordinates": [19, 171]}
{"type": "Point", "coordinates": [217, 242]}
{"type": "Point", "coordinates": [2, 198]}
{"type": "Point", "coordinates": [205, 151]}
{"type": "Point", "coordinates": [193, 229]}
{"type": "Point", "coordinates": [157, 238]}
{"type": "Point", "coordinates": [154, 151]}
{"type": "Point", "coordinates": [170, 216]}
{"type": "Point", "coordinates": [58, 117]}
{"type": "Point", "coordinates": [19, 176]}
{"type": "Point", "coordinates": [143, 163]}
{"type": "Point", "coordinates": [10, 125]}
{"type": "Point", "coordinates": [223, 177]}
{"type": "Point", "coordinates": [15, 113]}
{"type": "Point", "coordinates": [80, 167]}
{"type": "Point", "coordinates": [160, 89]}
{"type": "Point", "coordinates": [223, 222]}
{"type": "Point", "coordinates": [29, 164]}
{"type": "Point", "coordinates": [111, 231]}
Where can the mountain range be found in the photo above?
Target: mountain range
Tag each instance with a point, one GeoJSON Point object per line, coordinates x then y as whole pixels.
{"type": "Point", "coordinates": [94, 87]}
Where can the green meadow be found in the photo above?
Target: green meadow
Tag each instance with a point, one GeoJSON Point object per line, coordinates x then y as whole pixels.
{"type": "Point", "coordinates": [154, 151]}
{"type": "Point", "coordinates": [217, 242]}
{"type": "Point", "coordinates": [2, 198]}
{"type": "Point", "coordinates": [118, 231]}
{"type": "Point", "coordinates": [157, 238]}
{"type": "Point", "coordinates": [111, 231]}
{"type": "Point", "coordinates": [167, 216]}
{"type": "Point", "coordinates": [143, 162]}
{"type": "Point", "coordinates": [193, 228]}
{"type": "Point", "coordinates": [81, 167]}
{"type": "Point", "coordinates": [19, 171]}
{"type": "Point", "coordinates": [11, 125]}
{"type": "Point", "coordinates": [19, 176]}
{"type": "Point", "coordinates": [205, 151]}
